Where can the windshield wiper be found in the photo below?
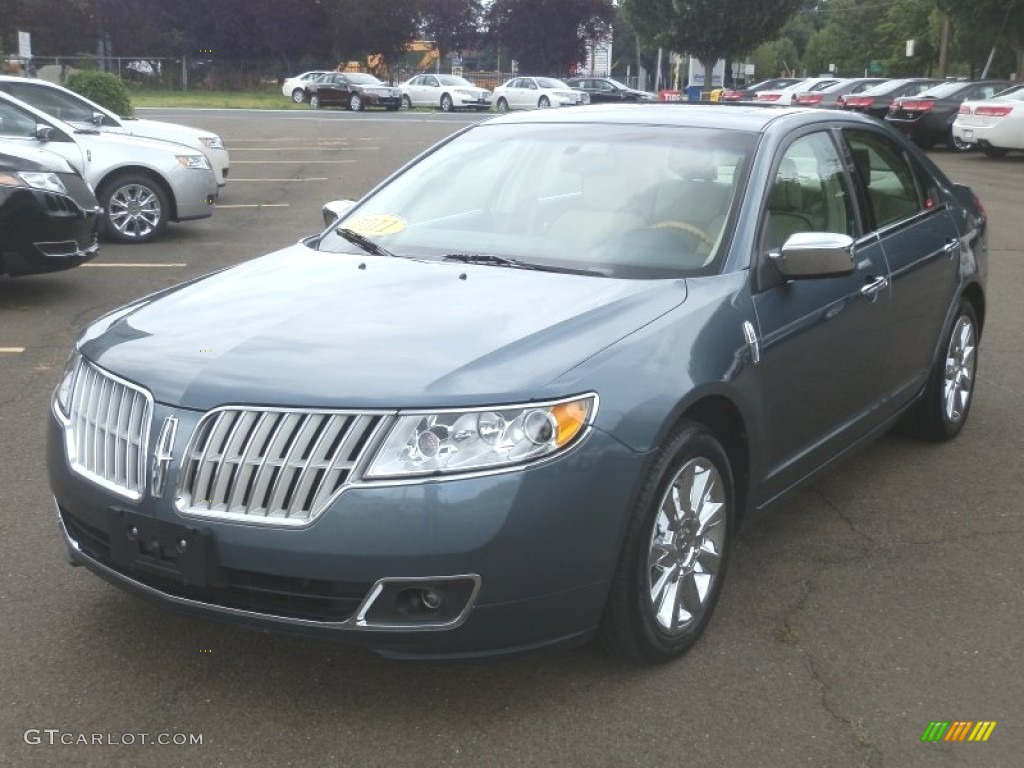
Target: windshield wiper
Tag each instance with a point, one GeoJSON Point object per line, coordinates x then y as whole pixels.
{"type": "Point", "coordinates": [364, 243]}
{"type": "Point", "coordinates": [491, 260]}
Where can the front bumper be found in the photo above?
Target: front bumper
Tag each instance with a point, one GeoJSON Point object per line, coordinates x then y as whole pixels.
{"type": "Point", "coordinates": [195, 192]}
{"type": "Point", "coordinates": [540, 543]}
{"type": "Point", "coordinates": [44, 232]}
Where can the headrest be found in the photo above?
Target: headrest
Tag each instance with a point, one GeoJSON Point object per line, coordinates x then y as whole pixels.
{"type": "Point", "coordinates": [786, 194]}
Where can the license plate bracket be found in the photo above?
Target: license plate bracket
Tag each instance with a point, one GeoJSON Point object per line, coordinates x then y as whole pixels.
{"type": "Point", "coordinates": [968, 134]}
{"type": "Point", "coordinates": [160, 547]}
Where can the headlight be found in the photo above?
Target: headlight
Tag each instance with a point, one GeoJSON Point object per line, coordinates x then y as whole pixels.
{"type": "Point", "coordinates": [67, 383]}
{"type": "Point", "coordinates": [212, 142]}
{"type": "Point", "coordinates": [194, 162]}
{"type": "Point", "coordinates": [47, 181]}
{"type": "Point", "coordinates": [448, 442]}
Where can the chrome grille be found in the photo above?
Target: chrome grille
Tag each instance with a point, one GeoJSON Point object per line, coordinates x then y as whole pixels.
{"type": "Point", "coordinates": [275, 466]}
{"type": "Point", "coordinates": [108, 430]}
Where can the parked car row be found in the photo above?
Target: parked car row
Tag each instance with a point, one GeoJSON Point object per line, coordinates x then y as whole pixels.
{"type": "Point", "coordinates": [922, 108]}
{"type": "Point", "coordinates": [71, 168]}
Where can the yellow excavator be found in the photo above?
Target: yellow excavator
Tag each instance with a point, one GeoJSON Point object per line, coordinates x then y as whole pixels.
{"type": "Point", "coordinates": [377, 66]}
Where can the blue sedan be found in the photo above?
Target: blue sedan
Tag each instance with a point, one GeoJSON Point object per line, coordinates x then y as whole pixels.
{"type": "Point", "coordinates": [525, 391]}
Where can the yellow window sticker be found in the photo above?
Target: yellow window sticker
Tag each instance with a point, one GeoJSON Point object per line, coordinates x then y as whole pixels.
{"type": "Point", "coordinates": [376, 225]}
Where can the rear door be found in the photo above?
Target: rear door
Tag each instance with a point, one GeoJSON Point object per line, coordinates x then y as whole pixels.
{"type": "Point", "coordinates": [922, 248]}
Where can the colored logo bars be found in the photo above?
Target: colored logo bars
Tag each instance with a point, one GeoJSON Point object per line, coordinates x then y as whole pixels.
{"type": "Point", "coordinates": [958, 730]}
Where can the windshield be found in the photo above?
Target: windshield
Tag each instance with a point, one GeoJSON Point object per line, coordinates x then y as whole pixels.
{"type": "Point", "coordinates": [550, 82]}
{"type": "Point", "coordinates": [621, 200]}
{"type": "Point", "coordinates": [63, 106]}
{"type": "Point", "coordinates": [363, 79]}
{"type": "Point", "coordinates": [453, 80]}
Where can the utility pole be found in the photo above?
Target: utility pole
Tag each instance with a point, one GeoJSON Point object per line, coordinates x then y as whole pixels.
{"type": "Point", "coordinates": [944, 45]}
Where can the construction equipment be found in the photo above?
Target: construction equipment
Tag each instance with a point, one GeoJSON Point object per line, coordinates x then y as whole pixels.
{"type": "Point", "coordinates": [376, 65]}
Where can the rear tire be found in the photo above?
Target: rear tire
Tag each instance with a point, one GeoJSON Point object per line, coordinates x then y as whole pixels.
{"type": "Point", "coordinates": [355, 102]}
{"type": "Point", "coordinates": [314, 101]}
{"type": "Point", "coordinates": [502, 105]}
{"type": "Point", "coordinates": [994, 151]}
{"type": "Point", "coordinates": [298, 96]}
{"type": "Point", "coordinates": [942, 411]}
{"type": "Point", "coordinates": [674, 554]}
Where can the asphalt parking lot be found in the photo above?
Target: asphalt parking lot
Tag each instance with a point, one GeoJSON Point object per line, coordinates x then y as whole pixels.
{"type": "Point", "coordinates": [885, 596]}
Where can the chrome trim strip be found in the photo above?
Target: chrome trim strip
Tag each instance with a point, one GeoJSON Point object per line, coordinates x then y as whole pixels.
{"type": "Point", "coordinates": [350, 624]}
{"type": "Point", "coordinates": [163, 456]}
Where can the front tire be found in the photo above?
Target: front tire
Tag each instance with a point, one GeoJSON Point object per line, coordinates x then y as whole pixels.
{"type": "Point", "coordinates": [502, 105]}
{"type": "Point", "coordinates": [543, 103]}
{"type": "Point", "coordinates": [298, 96]}
{"type": "Point", "coordinates": [406, 102]}
{"type": "Point", "coordinates": [942, 411]}
{"type": "Point", "coordinates": [136, 208]}
{"type": "Point", "coordinates": [675, 550]}
{"type": "Point", "coordinates": [446, 103]}
{"type": "Point", "coordinates": [314, 102]}
{"type": "Point", "coordinates": [991, 151]}
{"type": "Point", "coordinates": [355, 102]}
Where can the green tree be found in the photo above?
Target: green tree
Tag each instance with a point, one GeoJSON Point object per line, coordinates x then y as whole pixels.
{"type": "Point", "coordinates": [453, 25]}
{"type": "Point", "coordinates": [548, 36]}
{"type": "Point", "coordinates": [710, 29]}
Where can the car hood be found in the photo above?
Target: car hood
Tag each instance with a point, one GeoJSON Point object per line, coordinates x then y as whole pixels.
{"type": "Point", "coordinates": [157, 129]}
{"type": "Point", "coordinates": [124, 142]}
{"type": "Point", "coordinates": [306, 328]}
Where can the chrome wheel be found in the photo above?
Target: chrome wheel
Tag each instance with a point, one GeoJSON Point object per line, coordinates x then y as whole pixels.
{"type": "Point", "coordinates": [446, 103]}
{"type": "Point", "coordinates": [314, 102]}
{"type": "Point", "coordinates": [686, 546]}
{"type": "Point", "coordinates": [544, 102]}
{"type": "Point", "coordinates": [298, 96]}
{"type": "Point", "coordinates": [958, 381]}
{"type": "Point", "coordinates": [502, 105]}
{"type": "Point", "coordinates": [355, 102]}
{"type": "Point", "coordinates": [136, 211]}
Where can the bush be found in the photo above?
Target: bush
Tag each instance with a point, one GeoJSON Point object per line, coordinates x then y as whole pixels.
{"type": "Point", "coordinates": [105, 89]}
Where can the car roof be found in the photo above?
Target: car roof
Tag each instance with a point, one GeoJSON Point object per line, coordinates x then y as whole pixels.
{"type": "Point", "coordinates": [731, 117]}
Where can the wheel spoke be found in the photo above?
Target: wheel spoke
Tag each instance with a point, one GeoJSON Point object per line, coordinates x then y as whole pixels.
{"type": "Point", "coordinates": [709, 561]}
{"type": "Point", "coordinates": [665, 584]}
{"type": "Point", "coordinates": [658, 554]}
{"type": "Point", "coordinates": [688, 597]}
{"type": "Point", "coordinates": [699, 487]}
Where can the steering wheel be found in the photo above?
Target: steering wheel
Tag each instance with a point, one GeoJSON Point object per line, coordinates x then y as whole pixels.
{"type": "Point", "coordinates": [688, 228]}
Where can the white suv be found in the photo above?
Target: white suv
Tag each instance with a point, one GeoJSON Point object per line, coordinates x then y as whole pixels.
{"type": "Point", "coordinates": [141, 183]}
{"type": "Point", "coordinates": [78, 111]}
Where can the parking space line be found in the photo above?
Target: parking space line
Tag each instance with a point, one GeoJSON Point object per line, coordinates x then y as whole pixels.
{"type": "Point", "coordinates": [292, 162]}
{"type": "Point", "coordinates": [144, 265]}
{"type": "Point", "coordinates": [254, 205]}
{"type": "Point", "coordinates": [11, 350]}
{"type": "Point", "coordinates": [311, 178]}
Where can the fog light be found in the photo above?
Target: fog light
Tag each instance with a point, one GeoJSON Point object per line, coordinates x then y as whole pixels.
{"type": "Point", "coordinates": [430, 598]}
{"type": "Point", "coordinates": [431, 603]}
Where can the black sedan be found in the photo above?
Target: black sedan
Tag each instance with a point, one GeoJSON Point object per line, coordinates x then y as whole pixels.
{"type": "Point", "coordinates": [352, 90]}
{"type": "Point", "coordinates": [928, 117]}
{"type": "Point", "coordinates": [605, 89]}
{"type": "Point", "coordinates": [875, 101]}
{"type": "Point", "coordinates": [525, 391]}
{"type": "Point", "coordinates": [48, 214]}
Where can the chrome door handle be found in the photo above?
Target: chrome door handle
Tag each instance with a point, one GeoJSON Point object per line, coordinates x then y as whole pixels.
{"type": "Point", "coordinates": [875, 286]}
{"type": "Point", "coordinates": [952, 246]}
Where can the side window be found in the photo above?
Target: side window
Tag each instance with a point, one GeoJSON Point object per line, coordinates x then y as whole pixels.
{"type": "Point", "coordinates": [418, 80]}
{"type": "Point", "coordinates": [810, 192]}
{"type": "Point", "coordinates": [14, 122]}
{"type": "Point", "coordinates": [882, 168]}
{"type": "Point", "coordinates": [432, 82]}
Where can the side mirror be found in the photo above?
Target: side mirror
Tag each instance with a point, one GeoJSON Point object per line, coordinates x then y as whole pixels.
{"type": "Point", "coordinates": [98, 118]}
{"type": "Point", "coordinates": [815, 254]}
{"type": "Point", "coordinates": [335, 209]}
{"type": "Point", "coordinates": [43, 132]}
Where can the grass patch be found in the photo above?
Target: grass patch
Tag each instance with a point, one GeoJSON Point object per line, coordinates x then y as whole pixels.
{"type": "Point", "coordinates": [214, 99]}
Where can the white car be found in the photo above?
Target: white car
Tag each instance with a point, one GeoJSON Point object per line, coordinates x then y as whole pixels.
{"type": "Point", "coordinates": [444, 92]}
{"type": "Point", "coordinates": [536, 93]}
{"type": "Point", "coordinates": [995, 124]}
{"type": "Point", "coordinates": [78, 111]}
{"type": "Point", "coordinates": [142, 184]}
{"type": "Point", "coordinates": [787, 96]}
{"type": "Point", "coordinates": [295, 87]}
